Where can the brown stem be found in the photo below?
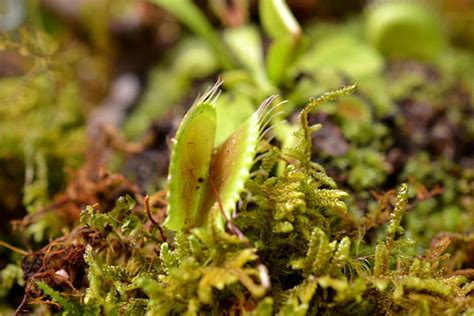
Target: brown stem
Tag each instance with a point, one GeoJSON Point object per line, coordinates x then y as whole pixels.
{"type": "Point", "coordinates": [20, 307]}
{"type": "Point", "coordinates": [234, 229]}
{"type": "Point", "coordinates": [148, 213]}
{"type": "Point", "coordinates": [13, 248]}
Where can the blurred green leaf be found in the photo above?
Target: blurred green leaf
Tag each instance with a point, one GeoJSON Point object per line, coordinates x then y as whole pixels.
{"type": "Point", "coordinates": [277, 19]}
{"type": "Point", "coordinates": [246, 44]}
{"type": "Point", "coordinates": [190, 15]}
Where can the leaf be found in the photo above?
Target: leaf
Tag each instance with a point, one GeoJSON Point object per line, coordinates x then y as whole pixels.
{"type": "Point", "coordinates": [344, 53]}
{"type": "Point", "coordinates": [190, 15]}
{"type": "Point", "coordinates": [280, 56]}
{"type": "Point", "coordinates": [319, 253]}
{"type": "Point", "coordinates": [277, 19]}
{"type": "Point", "coordinates": [232, 110]}
{"type": "Point", "coordinates": [231, 163]}
{"type": "Point", "coordinates": [189, 164]}
{"type": "Point", "coordinates": [399, 210]}
{"type": "Point", "coordinates": [246, 44]}
{"type": "Point", "coordinates": [280, 24]}
{"type": "Point", "coordinates": [405, 30]}
{"type": "Point", "coordinates": [199, 179]}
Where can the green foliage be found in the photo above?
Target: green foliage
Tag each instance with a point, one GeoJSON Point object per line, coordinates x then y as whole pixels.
{"type": "Point", "coordinates": [396, 216]}
{"type": "Point", "coordinates": [199, 177]}
{"type": "Point", "coordinates": [289, 203]}
{"type": "Point", "coordinates": [10, 275]}
{"type": "Point", "coordinates": [246, 44]}
{"type": "Point", "coordinates": [303, 150]}
{"type": "Point", "coordinates": [404, 29]}
{"type": "Point", "coordinates": [193, 273]}
{"type": "Point", "coordinates": [322, 255]}
{"type": "Point", "coordinates": [68, 307]}
{"type": "Point", "coordinates": [365, 168]}
{"type": "Point", "coordinates": [280, 24]}
{"type": "Point", "coordinates": [218, 274]}
{"type": "Point", "coordinates": [191, 16]}
{"type": "Point", "coordinates": [296, 242]}
{"type": "Point", "coordinates": [198, 270]}
{"type": "Point", "coordinates": [331, 51]}
{"type": "Point", "coordinates": [45, 94]}
{"type": "Point", "coordinates": [36, 182]}
{"type": "Point", "coordinates": [188, 175]}
{"type": "Point", "coordinates": [277, 19]}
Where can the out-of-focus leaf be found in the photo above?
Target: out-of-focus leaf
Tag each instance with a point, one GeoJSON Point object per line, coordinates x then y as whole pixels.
{"type": "Point", "coordinates": [192, 17]}
{"type": "Point", "coordinates": [404, 29]}
{"type": "Point", "coordinates": [277, 19]}
{"type": "Point", "coordinates": [246, 44]}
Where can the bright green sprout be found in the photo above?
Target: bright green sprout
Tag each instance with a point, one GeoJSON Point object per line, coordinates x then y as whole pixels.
{"type": "Point", "coordinates": [201, 178]}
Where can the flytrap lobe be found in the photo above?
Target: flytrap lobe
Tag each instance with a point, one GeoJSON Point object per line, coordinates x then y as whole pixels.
{"type": "Point", "coordinates": [202, 177]}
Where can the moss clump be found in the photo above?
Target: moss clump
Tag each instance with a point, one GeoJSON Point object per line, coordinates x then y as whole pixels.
{"type": "Point", "coordinates": [299, 252]}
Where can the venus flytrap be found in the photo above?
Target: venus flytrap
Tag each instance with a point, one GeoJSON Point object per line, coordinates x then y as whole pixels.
{"type": "Point", "coordinates": [231, 162]}
{"type": "Point", "coordinates": [251, 73]}
{"type": "Point", "coordinates": [189, 164]}
{"type": "Point", "coordinates": [199, 176]}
